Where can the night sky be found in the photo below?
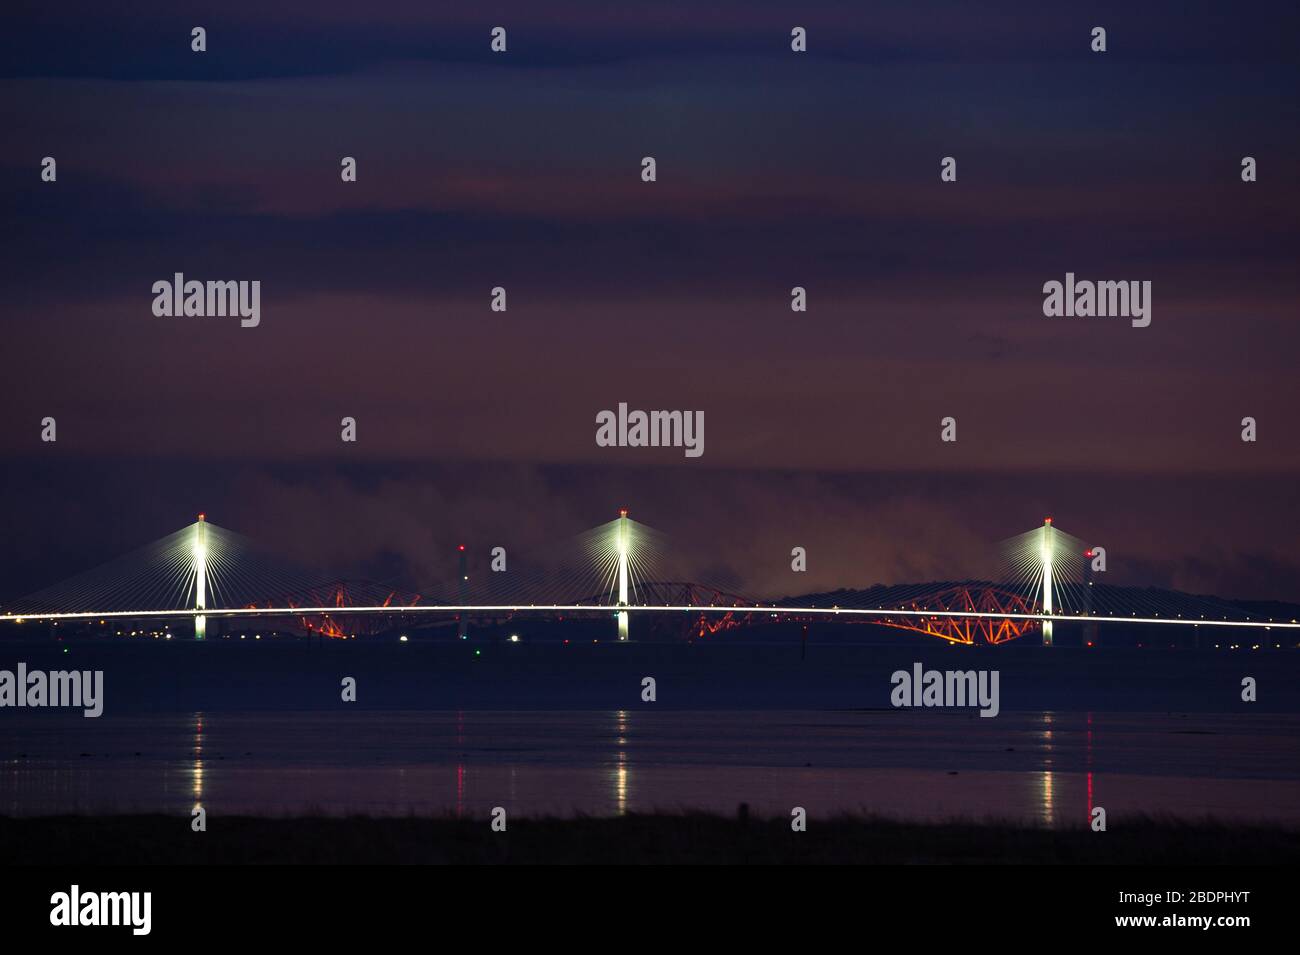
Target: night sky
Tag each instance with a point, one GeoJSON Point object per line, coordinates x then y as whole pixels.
{"type": "Point", "coordinates": [775, 169]}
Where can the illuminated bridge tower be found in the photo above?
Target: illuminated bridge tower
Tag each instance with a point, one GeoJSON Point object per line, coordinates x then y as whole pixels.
{"type": "Point", "coordinates": [200, 576]}
{"type": "Point", "coordinates": [1048, 545]}
{"type": "Point", "coordinates": [621, 532]}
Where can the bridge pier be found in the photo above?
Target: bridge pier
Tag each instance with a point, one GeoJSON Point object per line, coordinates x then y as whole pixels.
{"type": "Point", "coordinates": [1048, 535]}
{"type": "Point", "coordinates": [621, 531]}
{"type": "Point", "coordinates": [200, 576]}
{"type": "Point", "coordinates": [462, 589]}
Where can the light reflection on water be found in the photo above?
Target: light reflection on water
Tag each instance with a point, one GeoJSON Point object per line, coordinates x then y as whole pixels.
{"type": "Point", "coordinates": [620, 770]}
{"type": "Point", "coordinates": [197, 772]}
{"type": "Point", "coordinates": [1051, 768]}
{"type": "Point", "coordinates": [1048, 808]}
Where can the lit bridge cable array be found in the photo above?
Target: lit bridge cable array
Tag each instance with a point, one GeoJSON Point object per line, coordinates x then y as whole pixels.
{"type": "Point", "coordinates": [168, 575]}
{"type": "Point", "coordinates": [622, 569]}
{"type": "Point", "coordinates": [1048, 562]}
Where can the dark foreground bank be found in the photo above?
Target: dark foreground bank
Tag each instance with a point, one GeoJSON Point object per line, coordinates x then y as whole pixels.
{"type": "Point", "coordinates": [681, 839]}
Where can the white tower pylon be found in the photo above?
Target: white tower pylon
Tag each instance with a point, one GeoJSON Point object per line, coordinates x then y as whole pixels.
{"type": "Point", "coordinates": [1048, 542]}
{"type": "Point", "coordinates": [200, 576]}
{"type": "Point", "coordinates": [622, 532]}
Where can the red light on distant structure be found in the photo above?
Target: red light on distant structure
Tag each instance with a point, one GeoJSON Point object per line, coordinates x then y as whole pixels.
{"type": "Point", "coordinates": [1047, 520]}
{"type": "Point", "coordinates": [460, 547]}
{"type": "Point", "coordinates": [1087, 553]}
{"type": "Point", "coordinates": [622, 512]}
{"type": "Point", "coordinates": [201, 516]}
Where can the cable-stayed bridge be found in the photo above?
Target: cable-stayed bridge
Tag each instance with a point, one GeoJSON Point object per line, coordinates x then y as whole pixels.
{"type": "Point", "coordinates": [204, 573]}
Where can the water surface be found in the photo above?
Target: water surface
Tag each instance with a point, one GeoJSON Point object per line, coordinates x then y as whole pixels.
{"type": "Point", "coordinates": [1046, 767]}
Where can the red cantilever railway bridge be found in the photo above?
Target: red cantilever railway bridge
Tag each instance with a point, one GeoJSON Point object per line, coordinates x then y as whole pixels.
{"type": "Point", "coordinates": [721, 611]}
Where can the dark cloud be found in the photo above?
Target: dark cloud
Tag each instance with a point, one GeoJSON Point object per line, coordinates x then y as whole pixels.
{"type": "Point", "coordinates": [775, 171]}
{"type": "Point", "coordinates": [732, 528]}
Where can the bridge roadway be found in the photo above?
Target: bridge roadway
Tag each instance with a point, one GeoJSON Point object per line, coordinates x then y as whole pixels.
{"type": "Point", "coordinates": [213, 612]}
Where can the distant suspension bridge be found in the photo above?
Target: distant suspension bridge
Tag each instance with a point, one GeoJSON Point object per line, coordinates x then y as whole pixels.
{"type": "Point", "coordinates": [204, 572]}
